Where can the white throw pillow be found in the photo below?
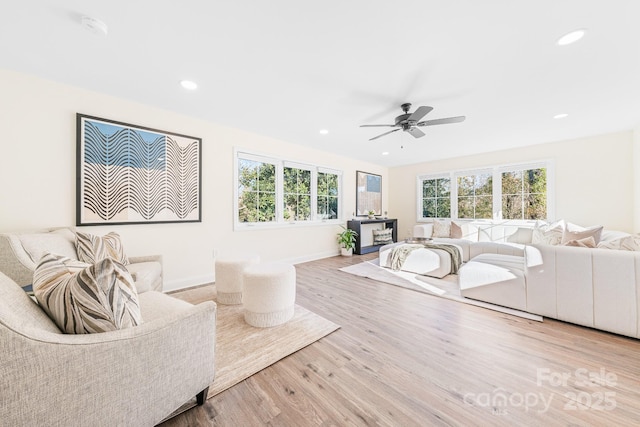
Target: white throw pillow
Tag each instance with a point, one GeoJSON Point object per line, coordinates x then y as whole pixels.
{"type": "Point", "coordinates": [441, 228]}
{"type": "Point", "coordinates": [464, 230]}
{"type": "Point", "coordinates": [548, 234]}
{"type": "Point", "coordinates": [627, 243]}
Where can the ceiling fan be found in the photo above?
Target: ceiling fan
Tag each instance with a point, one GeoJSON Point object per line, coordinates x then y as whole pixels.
{"type": "Point", "coordinates": [409, 122]}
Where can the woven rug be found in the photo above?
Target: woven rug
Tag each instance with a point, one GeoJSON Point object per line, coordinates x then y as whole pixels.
{"type": "Point", "coordinates": [243, 350]}
{"type": "Point", "coordinates": [447, 287]}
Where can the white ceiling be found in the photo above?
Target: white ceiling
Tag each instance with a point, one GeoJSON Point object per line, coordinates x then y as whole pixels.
{"type": "Point", "coordinates": [288, 68]}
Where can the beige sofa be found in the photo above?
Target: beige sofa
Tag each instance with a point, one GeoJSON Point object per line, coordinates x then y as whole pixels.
{"type": "Point", "coordinates": [130, 377]}
{"type": "Point", "coordinates": [21, 252]}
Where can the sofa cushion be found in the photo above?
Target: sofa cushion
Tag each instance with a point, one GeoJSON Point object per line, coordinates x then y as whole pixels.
{"type": "Point", "coordinates": [92, 248]}
{"type": "Point", "coordinates": [464, 230]}
{"type": "Point", "coordinates": [626, 243]}
{"type": "Point", "coordinates": [59, 242]}
{"type": "Point", "coordinates": [146, 275]}
{"type": "Point", "coordinates": [84, 298]}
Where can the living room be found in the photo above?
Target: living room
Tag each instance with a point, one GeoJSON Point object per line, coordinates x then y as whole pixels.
{"type": "Point", "coordinates": [594, 180]}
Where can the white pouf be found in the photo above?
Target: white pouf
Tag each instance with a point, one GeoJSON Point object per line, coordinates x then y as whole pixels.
{"type": "Point", "coordinates": [269, 294]}
{"type": "Point", "coordinates": [229, 269]}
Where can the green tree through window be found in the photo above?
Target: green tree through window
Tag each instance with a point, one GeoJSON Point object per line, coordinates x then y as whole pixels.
{"type": "Point", "coordinates": [297, 194]}
{"type": "Point", "coordinates": [436, 198]}
{"type": "Point", "coordinates": [524, 194]}
{"type": "Point", "coordinates": [475, 196]}
{"type": "Point", "coordinates": [327, 195]}
{"type": "Point", "coordinates": [256, 191]}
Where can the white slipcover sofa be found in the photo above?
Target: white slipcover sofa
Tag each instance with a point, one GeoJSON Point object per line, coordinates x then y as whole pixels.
{"type": "Point", "coordinates": [21, 252]}
{"type": "Point", "coordinates": [593, 287]}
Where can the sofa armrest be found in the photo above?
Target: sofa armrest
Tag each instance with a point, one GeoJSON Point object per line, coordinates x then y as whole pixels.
{"type": "Point", "coordinates": [134, 376]}
{"type": "Point", "coordinates": [145, 258]}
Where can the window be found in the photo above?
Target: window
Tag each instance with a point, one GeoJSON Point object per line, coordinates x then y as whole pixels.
{"type": "Point", "coordinates": [436, 198]}
{"type": "Point", "coordinates": [475, 196]}
{"type": "Point", "coordinates": [297, 194]}
{"type": "Point", "coordinates": [514, 192]}
{"type": "Point", "coordinates": [272, 191]}
{"type": "Point", "coordinates": [256, 191]}
{"type": "Point", "coordinates": [524, 194]}
{"type": "Point", "coordinates": [327, 195]}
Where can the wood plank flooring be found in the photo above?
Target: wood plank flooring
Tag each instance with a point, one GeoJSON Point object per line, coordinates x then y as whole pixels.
{"type": "Point", "coordinates": [404, 358]}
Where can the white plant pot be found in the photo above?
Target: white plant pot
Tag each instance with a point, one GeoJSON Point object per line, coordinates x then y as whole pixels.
{"type": "Point", "coordinates": [346, 252]}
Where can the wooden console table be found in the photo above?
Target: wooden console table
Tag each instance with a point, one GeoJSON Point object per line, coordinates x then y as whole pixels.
{"type": "Point", "coordinates": [364, 244]}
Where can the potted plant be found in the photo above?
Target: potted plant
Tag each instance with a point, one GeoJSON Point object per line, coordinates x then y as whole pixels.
{"type": "Point", "coordinates": [347, 241]}
{"type": "Point", "coordinates": [372, 214]}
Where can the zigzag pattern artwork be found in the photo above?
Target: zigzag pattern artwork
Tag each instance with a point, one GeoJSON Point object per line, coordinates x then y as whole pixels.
{"type": "Point", "coordinates": [131, 175]}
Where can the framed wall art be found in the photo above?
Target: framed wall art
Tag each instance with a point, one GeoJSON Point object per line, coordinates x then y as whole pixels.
{"type": "Point", "coordinates": [368, 193]}
{"type": "Point", "coordinates": [127, 174]}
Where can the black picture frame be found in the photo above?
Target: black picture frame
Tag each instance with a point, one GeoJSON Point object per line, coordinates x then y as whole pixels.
{"type": "Point", "coordinates": [368, 193]}
{"type": "Point", "coordinates": [128, 174]}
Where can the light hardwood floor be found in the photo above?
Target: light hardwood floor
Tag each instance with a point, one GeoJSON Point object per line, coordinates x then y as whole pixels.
{"type": "Point", "coordinates": [404, 358]}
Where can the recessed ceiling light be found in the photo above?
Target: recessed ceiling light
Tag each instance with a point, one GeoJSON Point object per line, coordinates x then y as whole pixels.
{"type": "Point", "coordinates": [385, 153]}
{"type": "Point", "coordinates": [324, 132]}
{"type": "Point", "coordinates": [94, 25]}
{"type": "Point", "coordinates": [188, 84]}
{"type": "Point", "coordinates": [560, 116]}
{"type": "Point", "coordinates": [571, 37]}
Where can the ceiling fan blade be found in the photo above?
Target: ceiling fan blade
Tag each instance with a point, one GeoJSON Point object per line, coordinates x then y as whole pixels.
{"type": "Point", "coordinates": [375, 126]}
{"type": "Point", "coordinates": [386, 133]}
{"type": "Point", "coordinates": [417, 133]}
{"type": "Point", "coordinates": [420, 113]}
{"type": "Point", "coordinates": [441, 121]}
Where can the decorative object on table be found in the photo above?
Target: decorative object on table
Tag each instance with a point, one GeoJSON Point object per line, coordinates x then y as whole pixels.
{"type": "Point", "coordinates": [347, 241]}
{"type": "Point", "coordinates": [371, 214]}
{"type": "Point", "coordinates": [130, 174]}
{"type": "Point", "coordinates": [368, 194]}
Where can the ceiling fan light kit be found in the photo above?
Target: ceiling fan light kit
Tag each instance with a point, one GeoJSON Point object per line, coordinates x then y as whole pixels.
{"type": "Point", "coordinates": [409, 122]}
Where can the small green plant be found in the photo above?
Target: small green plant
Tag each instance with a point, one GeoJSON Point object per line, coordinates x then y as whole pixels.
{"type": "Point", "coordinates": [347, 238]}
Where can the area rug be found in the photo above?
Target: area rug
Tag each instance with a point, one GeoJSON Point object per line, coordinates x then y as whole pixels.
{"type": "Point", "coordinates": [447, 287]}
{"type": "Point", "coordinates": [243, 350]}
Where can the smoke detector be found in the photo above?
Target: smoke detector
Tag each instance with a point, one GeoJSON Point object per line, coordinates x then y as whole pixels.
{"type": "Point", "coordinates": [94, 25]}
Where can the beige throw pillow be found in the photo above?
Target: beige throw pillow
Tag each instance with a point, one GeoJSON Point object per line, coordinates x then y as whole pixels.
{"type": "Point", "coordinates": [92, 249]}
{"type": "Point", "coordinates": [464, 231]}
{"type": "Point", "coordinates": [84, 298]}
{"type": "Point", "coordinates": [587, 242]}
{"type": "Point", "coordinates": [576, 232]}
{"type": "Point", "coordinates": [441, 228]}
{"type": "Point", "coordinates": [548, 234]}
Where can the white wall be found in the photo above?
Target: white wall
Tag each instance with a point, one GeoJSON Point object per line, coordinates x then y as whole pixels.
{"type": "Point", "coordinates": [594, 179]}
{"type": "Point", "coordinates": [37, 171]}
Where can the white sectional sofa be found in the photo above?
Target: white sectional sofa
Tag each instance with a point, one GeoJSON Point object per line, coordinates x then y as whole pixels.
{"type": "Point", "coordinates": [593, 287]}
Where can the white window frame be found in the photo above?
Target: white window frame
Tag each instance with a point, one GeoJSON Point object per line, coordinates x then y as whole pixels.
{"type": "Point", "coordinates": [280, 164]}
{"type": "Point", "coordinates": [496, 172]}
{"type": "Point", "coordinates": [419, 185]}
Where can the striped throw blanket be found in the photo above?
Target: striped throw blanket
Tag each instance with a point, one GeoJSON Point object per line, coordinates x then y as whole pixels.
{"type": "Point", "coordinates": [400, 253]}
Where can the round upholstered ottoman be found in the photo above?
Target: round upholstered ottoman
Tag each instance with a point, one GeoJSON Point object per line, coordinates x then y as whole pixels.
{"type": "Point", "coordinates": [229, 269]}
{"type": "Point", "coordinates": [269, 294]}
